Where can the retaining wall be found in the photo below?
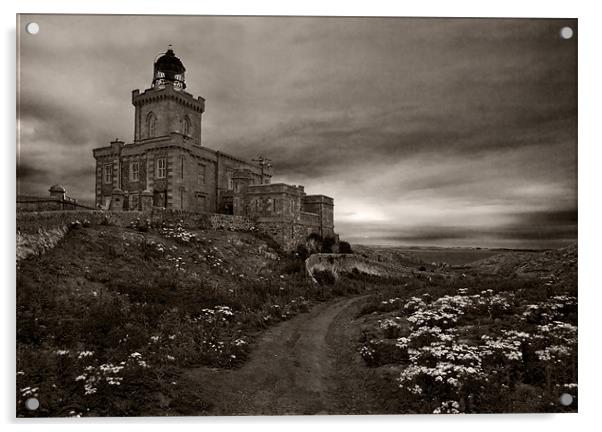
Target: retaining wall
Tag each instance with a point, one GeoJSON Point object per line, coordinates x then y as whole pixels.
{"type": "Point", "coordinates": [40, 230]}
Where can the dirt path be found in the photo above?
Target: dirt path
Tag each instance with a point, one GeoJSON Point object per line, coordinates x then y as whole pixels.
{"type": "Point", "coordinates": [307, 365]}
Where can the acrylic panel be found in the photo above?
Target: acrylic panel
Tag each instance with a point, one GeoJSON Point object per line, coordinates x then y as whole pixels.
{"type": "Point", "coordinates": [257, 215]}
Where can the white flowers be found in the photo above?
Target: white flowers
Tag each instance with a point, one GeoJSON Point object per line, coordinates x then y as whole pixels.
{"type": "Point", "coordinates": [239, 342]}
{"type": "Point", "coordinates": [111, 380]}
{"type": "Point", "coordinates": [89, 389]}
{"type": "Point", "coordinates": [366, 352]}
{"type": "Point", "coordinates": [218, 313]}
{"type": "Point", "coordinates": [553, 353]}
{"type": "Point", "coordinates": [83, 354]}
{"type": "Point", "coordinates": [402, 342]}
{"type": "Point", "coordinates": [391, 301]}
{"type": "Point", "coordinates": [448, 407]}
{"type": "Point", "coordinates": [29, 391]}
{"type": "Point", "coordinates": [415, 390]}
{"type": "Point", "coordinates": [110, 368]}
{"type": "Point", "coordinates": [388, 324]}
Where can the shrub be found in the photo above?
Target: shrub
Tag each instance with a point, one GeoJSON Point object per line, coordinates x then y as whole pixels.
{"type": "Point", "coordinates": [141, 225]}
{"type": "Point", "coordinates": [345, 247]}
{"type": "Point", "coordinates": [327, 244]}
{"type": "Point", "coordinates": [302, 252]}
{"type": "Point", "coordinates": [325, 277]}
{"type": "Point", "coordinates": [314, 243]}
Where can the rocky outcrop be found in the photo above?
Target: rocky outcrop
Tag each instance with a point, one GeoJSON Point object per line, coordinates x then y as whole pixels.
{"type": "Point", "coordinates": [335, 265]}
{"type": "Point", "coordinates": [37, 243]}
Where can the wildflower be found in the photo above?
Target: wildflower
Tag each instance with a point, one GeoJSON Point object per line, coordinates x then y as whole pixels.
{"type": "Point", "coordinates": [114, 380]}
{"type": "Point", "coordinates": [448, 407]}
{"type": "Point", "coordinates": [416, 389]}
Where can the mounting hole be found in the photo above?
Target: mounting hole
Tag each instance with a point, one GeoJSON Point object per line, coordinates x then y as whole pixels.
{"type": "Point", "coordinates": [32, 28]}
{"type": "Point", "coordinates": [566, 399]}
{"type": "Point", "coordinates": [566, 32]}
{"type": "Point", "coordinates": [32, 404]}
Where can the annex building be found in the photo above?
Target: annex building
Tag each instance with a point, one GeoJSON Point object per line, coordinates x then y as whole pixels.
{"type": "Point", "coordinates": [167, 166]}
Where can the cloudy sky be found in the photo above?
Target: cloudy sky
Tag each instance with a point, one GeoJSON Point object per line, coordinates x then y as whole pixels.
{"type": "Point", "coordinates": [454, 132]}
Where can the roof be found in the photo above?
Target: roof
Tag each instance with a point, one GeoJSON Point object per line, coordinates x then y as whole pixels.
{"type": "Point", "coordinates": [57, 188]}
{"type": "Point", "coordinates": [168, 62]}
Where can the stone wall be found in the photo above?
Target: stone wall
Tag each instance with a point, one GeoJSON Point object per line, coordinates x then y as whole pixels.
{"type": "Point", "coordinates": [324, 207]}
{"type": "Point", "coordinates": [288, 234]}
{"type": "Point", "coordinates": [310, 219]}
{"type": "Point", "coordinates": [48, 205]}
{"type": "Point", "coordinates": [32, 222]}
{"type": "Point", "coordinates": [231, 223]}
{"type": "Point", "coordinates": [40, 231]}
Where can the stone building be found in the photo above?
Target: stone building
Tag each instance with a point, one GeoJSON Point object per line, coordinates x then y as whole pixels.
{"type": "Point", "coordinates": [166, 165]}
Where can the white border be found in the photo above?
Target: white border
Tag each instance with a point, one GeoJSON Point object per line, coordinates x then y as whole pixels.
{"type": "Point", "coordinates": [590, 140]}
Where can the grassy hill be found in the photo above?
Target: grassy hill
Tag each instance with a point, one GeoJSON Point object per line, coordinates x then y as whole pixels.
{"type": "Point", "coordinates": [108, 318]}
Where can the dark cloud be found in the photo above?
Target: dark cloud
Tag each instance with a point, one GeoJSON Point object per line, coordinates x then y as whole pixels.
{"type": "Point", "coordinates": [26, 171]}
{"type": "Point", "coordinates": [442, 129]}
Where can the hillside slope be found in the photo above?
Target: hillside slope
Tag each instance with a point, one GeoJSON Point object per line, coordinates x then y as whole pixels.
{"type": "Point", "coordinates": [108, 318]}
{"type": "Point", "coordinates": [556, 263]}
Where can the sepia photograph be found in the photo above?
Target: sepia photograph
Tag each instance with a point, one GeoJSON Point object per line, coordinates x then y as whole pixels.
{"type": "Point", "coordinates": [295, 215]}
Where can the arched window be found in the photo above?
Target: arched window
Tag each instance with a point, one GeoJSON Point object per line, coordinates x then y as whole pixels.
{"type": "Point", "coordinates": [186, 123]}
{"type": "Point", "coordinates": [151, 124]}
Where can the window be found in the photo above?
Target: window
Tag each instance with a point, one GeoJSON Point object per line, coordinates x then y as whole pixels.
{"type": "Point", "coordinates": [201, 174]}
{"type": "Point", "coordinates": [186, 123]}
{"type": "Point", "coordinates": [151, 124]}
{"type": "Point", "coordinates": [134, 171]}
{"type": "Point", "coordinates": [108, 173]}
{"type": "Point", "coordinates": [201, 200]}
{"type": "Point", "coordinates": [229, 178]}
{"type": "Point", "coordinates": [161, 168]}
{"type": "Point", "coordinates": [181, 167]}
{"type": "Point", "coordinates": [134, 200]}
